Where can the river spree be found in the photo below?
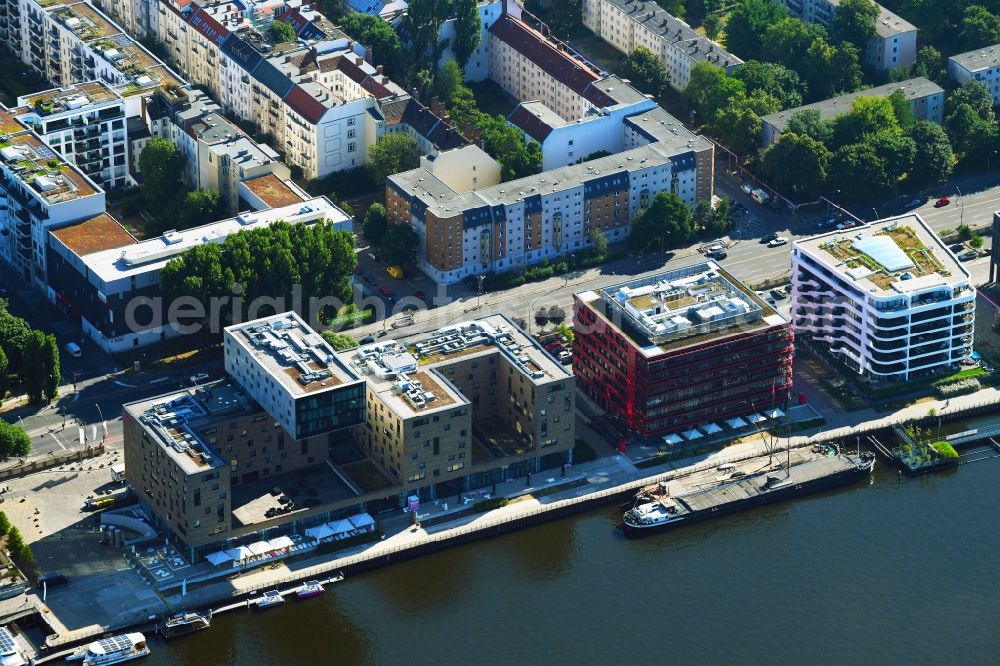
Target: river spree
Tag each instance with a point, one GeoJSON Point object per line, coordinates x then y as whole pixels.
{"type": "Point", "coordinates": [889, 571]}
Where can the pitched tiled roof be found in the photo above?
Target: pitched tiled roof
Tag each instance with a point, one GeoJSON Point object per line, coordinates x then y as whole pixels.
{"type": "Point", "coordinates": [305, 104]}
{"type": "Point", "coordinates": [420, 118]}
{"type": "Point", "coordinates": [294, 19]}
{"type": "Point", "coordinates": [361, 77]}
{"type": "Point", "coordinates": [245, 55]}
{"type": "Point", "coordinates": [558, 64]}
{"type": "Point", "coordinates": [272, 77]}
{"type": "Point", "coordinates": [446, 137]}
{"type": "Point", "coordinates": [393, 111]}
{"type": "Point", "coordinates": [529, 123]}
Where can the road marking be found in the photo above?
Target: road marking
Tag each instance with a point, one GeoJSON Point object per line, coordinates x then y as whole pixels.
{"type": "Point", "coordinates": [159, 379]}
{"type": "Point", "coordinates": [56, 437]}
{"type": "Point", "coordinates": [124, 384]}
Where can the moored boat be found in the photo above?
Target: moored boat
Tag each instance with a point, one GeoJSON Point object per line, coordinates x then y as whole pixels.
{"type": "Point", "coordinates": [657, 509]}
{"type": "Point", "coordinates": [269, 599]}
{"type": "Point", "coordinates": [185, 623]}
{"type": "Point", "coordinates": [311, 588]}
{"type": "Point", "coordinates": [114, 650]}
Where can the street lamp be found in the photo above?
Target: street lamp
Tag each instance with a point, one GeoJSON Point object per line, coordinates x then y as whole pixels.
{"type": "Point", "coordinates": [479, 288]}
{"type": "Point", "coordinates": [876, 213]}
{"type": "Point", "coordinates": [104, 425]}
{"type": "Point", "coordinates": [961, 214]}
{"type": "Point", "coordinates": [988, 159]}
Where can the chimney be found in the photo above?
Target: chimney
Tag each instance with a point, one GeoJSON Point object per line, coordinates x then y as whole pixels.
{"type": "Point", "coordinates": [358, 61]}
{"type": "Point", "coordinates": [379, 69]}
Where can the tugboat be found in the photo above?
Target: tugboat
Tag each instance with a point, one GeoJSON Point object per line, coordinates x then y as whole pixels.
{"type": "Point", "coordinates": [311, 588]}
{"type": "Point", "coordinates": [182, 624]}
{"type": "Point", "coordinates": [656, 509]}
{"type": "Point", "coordinates": [269, 599]}
{"type": "Point", "coordinates": [113, 650]}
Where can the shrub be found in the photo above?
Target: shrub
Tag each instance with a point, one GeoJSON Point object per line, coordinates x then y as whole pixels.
{"type": "Point", "coordinates": [945, 450]}
{"type": "Point", "coordinates": [490, 504]}
{"type": "Point", "coordinates": [969, 385]}
{"type": "Point", "coordinates": [4, 524]}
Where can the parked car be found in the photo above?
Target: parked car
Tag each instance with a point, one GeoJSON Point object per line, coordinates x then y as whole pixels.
{"type": "Point", "coordinates": [718, 254]}
{"type": "Point", "coordinates": [746, 189]}
{"type": "Point", "coordinates": [943, 201]}
{"type": "Point", "coordinates": [777, 241]}
{"type": "Point", "coordinates": [968, 255]}
{"type": "Point", "coordinates": [198, 378]}
{"type": "Point", "coordinates": [779, 292]}
{"type": "Point", "coordinates": [565, 357]}
{"type": "Point", "coordinates": [827, 223]}
{"type": "Point", "coordinates": [770, 237]}
{"type": "Point", "coordinates": [367, 340]}
{"type": "Point", "coordinates": [914, 203]}
{"type": "Point", "coordinates": [52, 579]}
{"type": "Point", "coordinates": [957, 247]}
{"type": "Point", "coordinates": [370, 281]}
{"type": "Point", "coordinates": [74, 350]}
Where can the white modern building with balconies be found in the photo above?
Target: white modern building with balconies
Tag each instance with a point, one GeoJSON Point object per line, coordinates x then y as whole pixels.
{"type": "Point", "coordinates": [888, 299]}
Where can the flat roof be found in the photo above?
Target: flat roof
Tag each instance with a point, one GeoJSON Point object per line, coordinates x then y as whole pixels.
{"type": "Point", "coordinates": [914, 89]}
{"type": "Point", "coordinates": [977, 60]}
{"type": "Point", "coordinates": [177, 420]}
{"type": "Point", "coordinates": [43, 170]}
{"type": "Point", "coordinates": [407, 373]}
{"type": "Point", "coordinates": [897, 255]}
{"type": "Point", "coordinates": [682, 307]}
{"type": "Point", "coordinates": [70, 98]}
{"type": "Point", "coordinates": [95, 234]}
{"type": "Point", "coordinates": [85, 21]}
{"type": "Point", "coordinates": [286, 348]}
{"type": "Point", "coordinates": [153, 253]}
{"type": "Point", "coordinates": [272, 190]}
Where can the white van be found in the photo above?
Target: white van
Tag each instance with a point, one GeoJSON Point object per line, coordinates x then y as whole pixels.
{"type": "Point", "coordinates": [74, 349]}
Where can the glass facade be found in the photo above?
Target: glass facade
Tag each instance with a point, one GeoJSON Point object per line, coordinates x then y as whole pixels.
{"type": "Point", "coordinates": [330, 410]}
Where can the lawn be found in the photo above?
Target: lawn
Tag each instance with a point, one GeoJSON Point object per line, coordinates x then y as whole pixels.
{"type": "Point", "coordinates": [491, 99]}
{"type": "Point", "coordinates": [366, 476]}
{"type": "Point", "coordinates": [598, 51]}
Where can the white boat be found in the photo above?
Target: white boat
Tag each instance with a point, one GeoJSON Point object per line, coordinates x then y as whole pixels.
{"type": "Point", "coordinates": [269, 599]}
{"type": "Point", "coordinates": [310, 588]}
{"type": "Point", "coordinates": [113, 650]}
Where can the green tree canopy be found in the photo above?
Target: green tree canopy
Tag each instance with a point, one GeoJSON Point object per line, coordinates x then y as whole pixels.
{"type": "Point", "coordinates": [395, 152]}
{"type": "Point", "coordinates": [41, 366]}
{"type": "Point", "coordinates": [777, 80]}
{"type": "Point", "coordinates": [976, 95]}
{"type": "Point", "coordinates": [854, 22]}
{"type": "Point", "coordinates": [796, 164]}
{"type": "Point", "coordinates": [200, 207]}
{"type": "Point", "coordinates": [281, 32]}
{"type": "Point", "coordinates": [598, 243]}
{"type": "Point", "coordinates": [468, 29]}
{"type": "Point", "coordinates": [809, 123]}
{"type": "Point", "coordinates": [969, 133]}
{"type": "Point", "coordinates": [747, 25]}
{"type": "Point", "coordinates": [13, 441]}
{"type": "Point", "coordinates": [448, 81]}
{"type": "Point", "coordinates": [930, 64]}
{"type": "Point", "coordinates": [13, 338]}
{"type": "Point", "coordinates": [859, 173]}
{"type": "Point", "coordinates": [980, 27]}
{"type": "Point", "coordinates": [645, 69]}
{"type": "Point", "coordinates": [338, 341]}
{"type": "Point", "coordinates": [709, 91]}
{"type": "Point", "coordinates": [425, 18]}
{"type": "Point", "coordinates": [933, 160]}
{"type": "Point", "coordinates": [162, 166]}
{"type": "Point", "coordinates": [375, 223]}
{"type": "Point", "coordinates": [399, 245]}
{"type": "Point", "coordinates": [739, 129]}
{"type": "Point", "coordinates": [869, 116]}
{"type": "Point", "coordinates": [379, 36]}
{"type": "Point", "coordinates": [896, 150]}
{"type": "Point", "coordinates": [665, 224]}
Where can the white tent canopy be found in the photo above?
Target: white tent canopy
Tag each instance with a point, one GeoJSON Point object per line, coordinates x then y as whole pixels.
{"type": "Point", "coordinates": [218, 558]}
{"type": "Point", "coordinates": [260, 547]}
{"type": "Point", "coordinates": [362, 520]}
{"type": "Point", "coordinates": [755, 418]}
{"type": "Point", "coordinates": [737, 423]}
{"type": "Point", "coordinates": [672, 439]}
{"type": "Point", "coordinates": [319, 532]}
{"type": "Point", "coordinates": [775, 413]}
{"type": "Point", "coordinates": [692, 434]}
{"type": "Point", "coordinates": [710, 428]}
{"type": "Point", "coordinates": [281, 542]}
{"type": "Point", "coordinates": [239, 553]}
{"type": "Point", "coordinates": [341, 526]}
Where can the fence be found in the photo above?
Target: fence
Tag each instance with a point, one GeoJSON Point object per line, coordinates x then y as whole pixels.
{"type": "Point", "coordinates": [25, 467]}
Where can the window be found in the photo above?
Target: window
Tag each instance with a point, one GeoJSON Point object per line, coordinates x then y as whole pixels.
{"type": "Point", "coordinates": [351, 134]}
{"type": "Point", "coordinates": [351, 147]}
{"type": "Point", "coordinates": [350, 122]}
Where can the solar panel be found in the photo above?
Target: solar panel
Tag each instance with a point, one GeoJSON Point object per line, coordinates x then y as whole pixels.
{"type": "Point", "coordinates": [115, 643]}
{"type": "Point", "coordinates": [885, 251]}
{"type": "Point", "coordinates": [7, 644]}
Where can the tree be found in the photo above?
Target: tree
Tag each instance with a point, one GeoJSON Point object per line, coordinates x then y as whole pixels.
{"type": "Point", "coordinates": [747, 25]}
{"type": "Point", "coordinates": [897, 151]}
{"type": "Point", "coordinates": [739, 129]}
{"type": "Point", "coordinates": [665, 224]}
{"type": "Point", "coordinates": [41, 366]}
{"type": "Point", "coordinates": [901, 108]}
{"type": "Point", "coordinates": [507, 145]}
{"type": "Point", "coordinates": [976, 242]}
{"type": "Point", "coordinates": [788, 40]}
{"type": "Point", "coordinates": [13, 338]}
{"type": "Point", "coordinates": [969, 133]}
{"type": "Point", "coordinates": [448, 80]}
{"type": "Point", "coordinates": [797, 164]}
{"type": "Point", "coordinates": [980, 27]}
{"type": "Point", "coordinates": [808, 122]}
{"type": "Point", "coordinates": [375, 223]}
{"type": "Point", "coordinates": [339, 342]}
{"type": "Point", "coordinates": [399, 245]}
{"type": "Point", "coordinates": [425, 19]}
{"type": "Point", "coordinates": [930, 64]}
{"type": "Point", "coordinates": [712, 26]}
{"type": "Point", "coordinates": [199, 207]}
{"type": "Point", "coordinates": [598, 243]}
{"type": "Point", "coordinates": [15, 542]}
{"type": "Point", "coordinates": [976, 95]}
{"type": "Point", "coordinates": [379, 35]}
{"type": "Point", "coordinates": [161, 165]}
{"type": "Point", "coordinates": [395, 152]}
{"type": "Point", "coordinates": [709, 90]}
{"type": "Point", "coordinates": [557, 315]}
{"type": "Point", "coordinates": [4, 373]}
{"type": "Point", "coordinates": [281, 32]}
{"type": "Point", "coordinates": [468, 29]}
{"type": "Point", "coordinates": [646, 71]}
{"type": "Point", "coordinates": [13, 441]}
{"type": "Point", "coordinates": [4, 524]}
{"type": "Point", "coordinates": [777, 80]}
{"type": "Point", "coordinates": [854, 22]}
{"type": "Point", "coordinates": [566, 332]}
{"type": "Point", "coordinates": [541, 317]}
{"type": "Point", "coordinates": [933, 160]}
{"type": "Point", "coordinates": [859, 173]}
{"type": "Point", "coordinates": [869, 116]}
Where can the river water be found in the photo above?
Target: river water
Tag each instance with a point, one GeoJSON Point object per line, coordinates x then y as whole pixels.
{"type": "Point", "coordinates": [891, 571]}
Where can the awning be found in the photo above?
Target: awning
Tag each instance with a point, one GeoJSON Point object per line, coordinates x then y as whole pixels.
{"type": "Point", "coordinates": [737, 423]}
{"type": "Point", "coordinates": [218, 558]}
{"type": "Point", "coordinates": [341, 526]}
{"type": "Point", "coordinates": [775, 413]}
{"type": "Point", "coordinates": [672, 438]}
{"type": "Point", "coordinates": [239, 553]}
{"type": "Point", "coordinates": [755, 418]}
{"type": "Point", "coordinates": [281, 542]}
{"type": "Point", "coordinates": [710, 428]}
{"type": "Point", "coordinates": [319, 532]}
{"type": "Point", "coordinates": [692, 434]}
{"type": "Point", "coordinates": [362, 520]}
{"type": "Point", "coordinates": [260, 547]}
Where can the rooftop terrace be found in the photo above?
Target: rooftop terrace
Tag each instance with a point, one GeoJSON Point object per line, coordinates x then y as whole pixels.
{"type": "Point", "coordinates": [897, 255]}
{"type": "Point", "coordinates": [70, 98]}
{"type": "Point", "coordinates": [42, 170]}
{"type": "Point", "coordinates": [84, 21]}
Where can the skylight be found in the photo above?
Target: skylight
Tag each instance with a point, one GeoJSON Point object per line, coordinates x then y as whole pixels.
{"type": "Point", "coordinates": [884, 250]}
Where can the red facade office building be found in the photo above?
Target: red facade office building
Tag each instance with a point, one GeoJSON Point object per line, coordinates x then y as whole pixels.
{"type": "Point", "coordinates": [681, 349]}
